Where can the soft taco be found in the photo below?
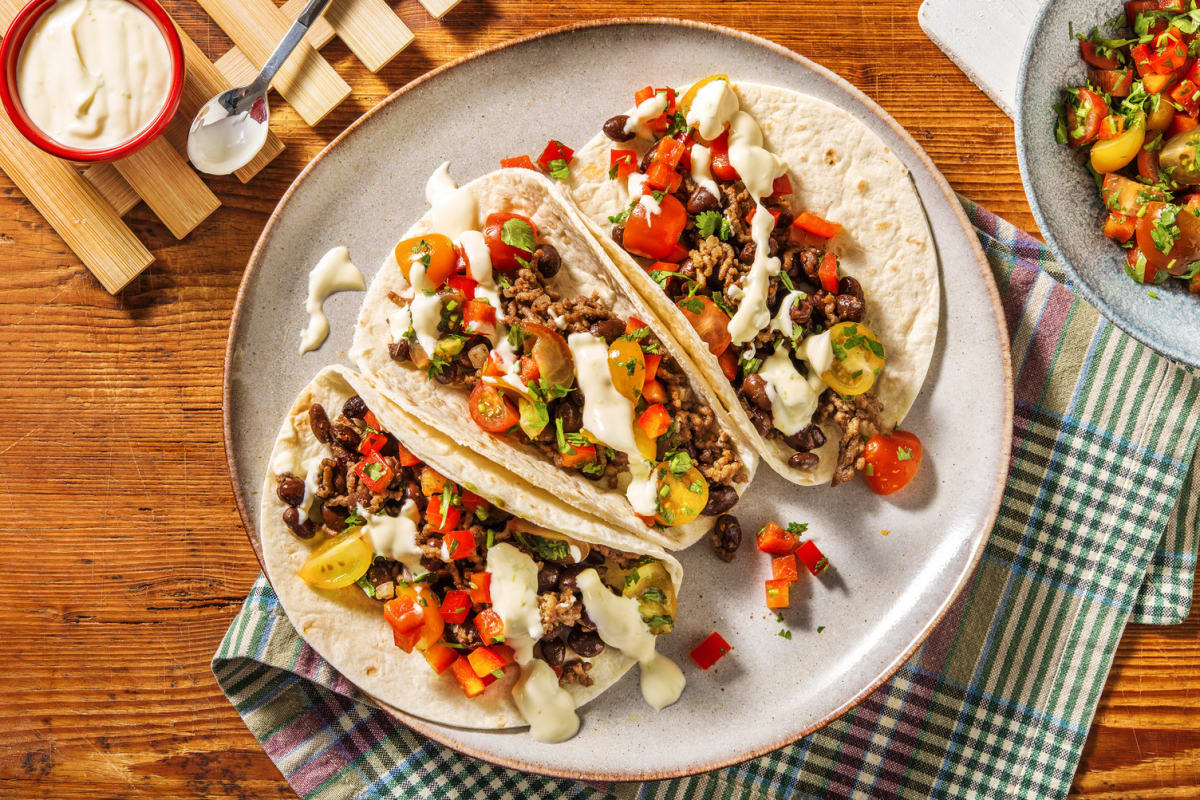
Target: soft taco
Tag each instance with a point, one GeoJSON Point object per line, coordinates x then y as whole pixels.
{"type": "Point", "coordinates": [787, 250]}
{"type": "Point", "coordinates": [500, 321]}
{"type": "Point", "coordinates": [443, 585]}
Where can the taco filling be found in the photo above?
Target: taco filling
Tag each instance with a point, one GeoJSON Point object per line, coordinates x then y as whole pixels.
{"type": "Point", "coordinates": [712, 224]}
{"type": "Point", "coordinates": [475, 590]}
{"type": "Point", "coordinates": [592, 392]}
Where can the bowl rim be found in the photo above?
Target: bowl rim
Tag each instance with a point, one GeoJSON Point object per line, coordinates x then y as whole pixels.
{"type": "Point", "coordinates": [1078, 282]}
{"type": "Point", "coordinates": [10, 53]}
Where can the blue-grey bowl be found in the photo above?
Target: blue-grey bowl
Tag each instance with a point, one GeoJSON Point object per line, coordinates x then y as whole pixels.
{"type": "Point", "coordinates": [1065, 201]}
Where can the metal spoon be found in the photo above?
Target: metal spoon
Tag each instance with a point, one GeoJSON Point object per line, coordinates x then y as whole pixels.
{"type": "Point", "coordinates": [231, 128]}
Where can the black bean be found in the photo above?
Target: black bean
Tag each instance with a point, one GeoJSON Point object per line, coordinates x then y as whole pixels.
{"type": "Point", "coordinates": [594, 558]}
{"type": "Point", "coordinates": [784, 219]}
{"type": "Point", "coordinates": [570, 415]}
{"type": "Point", "coordinates": [568, 577]}
{"type": "Point", "coordinates": [302, 528]}
{"type": "Point", "coordinates": [334, 519]}
{"type": "Point", "coordinates": [849, 308]}
{"type": "Point", "coordinates": [412, 491]}
{"type": "Point", "coordinates": [318, 420]}
{"type": "Point", "coordinates": [554, 651]}
{"type": "Point", "coordinates": [546, 260]}
{"type": "Point", "coordinates": [548, 577]}
{"type": "Point", "coordinates": [763, 421]}
{"type": "Point", "coordinates": [355, 408]}
{"type": "Point", "coordinates": [805, 461]}
{"type": "Point", "coordinates": [801, 311]}
{"type": "Point", "coordinates": [702, 200]}
{"type": "Point", "coordinates": [808, 439]}
{"type": "Point", "coordinates": [746, 256]}
{"type": "Point", "coordinates": [721, 498]}
{"type": "Point", "coordinates": [618, 234]}
{"type": "Point", "coordinates": [586, 643]}
{"type": "Point", "coordinates": [726, 537]}
{"type": "Point", "coordinates": [754, 387]}
{"type": "Point", "coordinates": [400, 351]}
{"type": "Point", "coordinates": [609, 330]}
{"type": "Point", "coordinates": [346, 435]}
{"type": "Point", "coordinates": [614, 128]}
{"type": "Point", "coordinates": [647, 160]}
{"type": "Point", "coordinates": [850, 286]}
{"type": "Point", "coordinates": [290, 490]}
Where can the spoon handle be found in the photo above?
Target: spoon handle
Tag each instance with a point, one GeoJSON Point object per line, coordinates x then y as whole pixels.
{"type": "Point", "coordinates": [292, 38]}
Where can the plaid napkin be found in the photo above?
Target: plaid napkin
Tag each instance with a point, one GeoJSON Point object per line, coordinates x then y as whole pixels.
{"type": "Point", "coordinates": [1095, 526]}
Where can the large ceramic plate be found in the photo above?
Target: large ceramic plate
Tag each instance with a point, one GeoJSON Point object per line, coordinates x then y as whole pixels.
{"type": "Point", "coordinates": [1065, 203]}
{"type": "Point", "coordinates": [852, 628]}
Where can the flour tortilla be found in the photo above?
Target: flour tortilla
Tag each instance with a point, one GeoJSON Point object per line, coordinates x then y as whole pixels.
{"type": "Point", "coordinates": [843, 172]}
{"type": "Point", "coordinates": [348, 628]}
{"type": "Point", "coordinates": [585, 269]}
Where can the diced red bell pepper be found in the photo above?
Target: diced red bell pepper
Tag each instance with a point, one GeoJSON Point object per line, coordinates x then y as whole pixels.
{"type": "Point", "coordinates": [782, 186]}
{"type": "Point", "coordinates": [775, 540]}
{"type": "Point", "coordinates": [663, 121]}
{"type": "Point", "coordinates": [459, 544]}
{"type": "Point", "coordinates": [656, 235]}
{"type": "Point", "coordinates": [407, 619]}
{"type": "Point", "coordinates": [372, 442]}
{"type": "Point", "coordinates": [669, 151]}
{"type": "Point", "coordinates": [1135, 7]}
{"type": "Point", "coordinates": [721, 169]}
{"type": "Point", "coordinates": [652, 362]}
{"type": "Point", "coordinates": [481, 587]}
{"type": "Point", "coordinates": [710, 651]}
{"type": "Point", "coordinates": [812, 557]}
{"type": "Point", "coordinates": [1142, 54]}
{"type": "Point", "coordinates": [485, 661]}
{"type": "Point", "coordinates": [471, 683]}
{"type": "Point", "coordinates": [439, 518]}
{"type": "Point", "coordinates": [479, 317]}
{"type": "Point", "coordinates": [490, 626]}
{"type": "Point", "coordinates": [406, 457]}
{"type": "Point", "coordinates": [582, 454]}
{"type": "Point", "coordinates": [372, 420]}
{"type": "Point", "coordinates": [633, 324]}
{"type": "Point", "coordinates": [1186, 95]}
{"type": "Point", "coordinates": [622, 163]}
{"type": "Point", "coordinates": [729, 363]}
{"type": "Point", "coordinates": [774, 214]}
{"type": "Point", "coordinates": [663, 176]}
{"type": "Point", "coordinates": [432, 481]}
{"type": "Point", "coordinates": [555, 151]}
{"type": "Point", "coordinates": [816, 225]}
{"type": "Point", "coordinates": [654, 392]}
{"type": "Point", "coordinates": [374, 472]}
{"type": "Point", "coordinates": [777, 594]}
{"type": "Point", "coordinates": [1112, 126]}
{"type": "Point", "coordinates": [783, 568]}
{"type": "Point", "coordinates": [518, 161]}
{"type": "Point", "coordinates": [1120, 227]}
{"type": "Point", "coordinates": [1172, 55]}
{"type": "Point", "coordinates": [642, 95]}
{"type": "Point", "coordinates": [828, 272]}
{"type": "Point", "coordinates": [463, 284]}
{"type": "Point", "coordinates": [655, 420]}
{"type": "Point", "coordinates": [456, 606]}
{"type": "Point", "coordinates": [440, 657]}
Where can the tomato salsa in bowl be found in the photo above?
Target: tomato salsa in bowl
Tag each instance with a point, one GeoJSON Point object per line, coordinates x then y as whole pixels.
{"type": "Point", "coordinates": [1108, 131]}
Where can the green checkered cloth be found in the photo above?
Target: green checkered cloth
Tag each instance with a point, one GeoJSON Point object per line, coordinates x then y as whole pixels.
{"type": "Point", "coordinates": [1095, 526]}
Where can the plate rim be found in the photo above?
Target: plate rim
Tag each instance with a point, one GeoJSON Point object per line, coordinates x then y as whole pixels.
{"type": "Point", "coordinates": [439, 734]}
{"type": "Point", "coordinates": [1079, 282]}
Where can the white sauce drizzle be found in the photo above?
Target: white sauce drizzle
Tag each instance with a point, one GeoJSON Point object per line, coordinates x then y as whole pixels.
{"type": "Point", "coordinates": [396, 537]}
{"type": "Point", "coordinates": [333, 273]}
{"type": "Point", "coordinates": [426, 309]}
{"type": "Point", "coordinates": [637, 188]}
{"type": "Point", "coordinates": [711, 108]}
{"type": "Point", "coordinates": [648, 109]}
{"type": "Point", "coordinates": [620, 625]}
{"type": "Point", "coordinates": [783, 317]}
{"type": "Point", "coordinates": [480, 260]}
{"type": "Point", "coordinates": [454, 210]}
{"type": "Point", "coordinates": [608, 416]}
{"type": "Point", "coordinates": [701, 174]}
{"type": "Point", "coordinates": [309, 467]}
{"type": "Point", "coordinates": [548, 708]}
{"type": "Point", "coordinates": [793, 396]}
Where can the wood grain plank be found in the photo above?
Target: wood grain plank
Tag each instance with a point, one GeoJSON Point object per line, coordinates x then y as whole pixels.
{"type": "Point", "coordinates": [165, 181]}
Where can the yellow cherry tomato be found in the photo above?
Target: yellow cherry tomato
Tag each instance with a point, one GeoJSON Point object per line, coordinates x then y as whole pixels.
{"type": "Point", "coordinates": [1160, 118]}
{"type": "Point", "coordinates": [646, 446]}
{"type": "Point", "coordinates": [857, 359]}
{"type": "Point", "coordinates": [1111, 155]}
{"type": "Point", "coordinates": [650, 584]}
{"type": "Point", "coordinates": [627, 366]}
{"type": "Point", "coordinates": [433, 251]}
{"type": "Point", "coordinates": [339, 562]}
{"type": "Point", "coordinates": [681, 496]}
{"type": "Point", "coordinates": [685, 102]}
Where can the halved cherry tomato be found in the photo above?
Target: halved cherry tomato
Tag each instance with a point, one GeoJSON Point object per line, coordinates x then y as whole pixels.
{"type": "Point", "coordinates": [811, 556]}
{"type": "Point", "coordinates": [721, 169]}
{"type": "Point", "coordinates": [816, 225]}
{"type": "Point", "coordinates": [555, 151]}
{"type": "Point", "coordinates": [439, 518]}
{"type": "Point", "coordinates": [432, 481]}
{"type": "Point", "coordinates": [433, 251]}
{"type": "Point", "coordinates": [858, 359]}
{"type": "Point", "coordinates": [527, 370]}
{"type": "Point", "coordinates": [655, 235]}
{"type": "Point", "coordinates": [783, 568]}
{"type": "Point", "coordinates": [463, 284]}
{"type": "Point", "coordinates": [1139, 268]}
{"type": "Point", "coordinates": [709, 322]}
{"type": "Point", "coordinates": [1116, 82]}
{"type": "Point", "coordinates": [338, 562]}
{"type": "Point", "coordinates": [479, 316]}
{"type": "Point", "coordinates": [685, 102]}
{"type": "Point", "coordinates": [440, 657]}
{"type": "Point", "coordinates": [654, 392]}
{"type": "Point", "coordinates": [514, 228]}
{"type": "Point", "coordinates": [627, 367]}
{"type": "Point", "coordinates": [578, 455]}
{"type": "Point", "coordinates": [681, 497]}
{"type": "Point", "coordinates": [782, 186]}
{"type": "Point", "coordinates": [481, 587]}
{"type": "Point", "coordinates": [775, 541]}
{"type": "Point", "coordinates": [622, 163]}
{"type": "Point", "coordinates": [655, 420]}
{"type": "Point", "coordinates": [729, 363]}
{"type": "Point", "coordinates": [459, 544]}
{"type": "Point", "coordinates": [1085, 109]}
{"type": "Point", "coordinates": [485, 661]}
{"type": "Point", "coordinates": [1186, 246]}
{"type": "Point", "coordinates": [777, 593]}
{"type": "Point", "coordinates": [1087, 49]}
{"type": "Point", "coordinates": [1159, 119]}
{"type": "Point", "coordinates": [524, 162]}
{"type": "Point", "coordinates": [374, 472]}
{"type": "Point", "coordinates": [472, 685]}
{"type": "Point", "coordinates": [892, 461]}
{"type": "Point", "coordinates": [1186, 96]}
{"type": "Point", "coordinates": [456, 605]}
{"type": "Point", "coordinates": [1128, 197]}
{"type": "Point", "coordinates": [710, 651]}
{"type": "Point", "coordinates": [1119, 227]}
{"type": "Point", "coordinates": [1181, 123]}
{"type": "Point", "coordinates": [490, 626]}
{"type": "Point", "coordinates": [491, 410]}
{"type": "Point", "coordinates": [1147, 166]}
{"type": "Point", "coordinates": [828, 272]}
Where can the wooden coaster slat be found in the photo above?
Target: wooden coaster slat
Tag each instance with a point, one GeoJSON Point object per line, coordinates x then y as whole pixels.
{"type": "Point", "coordinates": [74, 208]}
{"type": "Point", "coordinates": [306, 80]}
{"type": "Point", "coordinates": [370, 28]}
{"type": "Point", "coordinates": [112, 187]}
{"type": "Point", "coordinates": [162, 177]}
{"type": "Point", "coordinates": [439, 8]}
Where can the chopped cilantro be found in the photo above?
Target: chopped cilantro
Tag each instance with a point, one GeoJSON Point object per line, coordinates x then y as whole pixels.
{"type": "Point", "coordinates": [797, 528]}
{"type": "Point", "coordinates": [354, 520]}
{"type": "Point", "coordinates": [519, 234]}
{"type": "Point", "coordinates": [903, 454]}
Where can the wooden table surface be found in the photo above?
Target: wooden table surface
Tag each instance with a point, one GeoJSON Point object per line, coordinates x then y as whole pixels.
{"type": "Point", "coordinates": [123, 556]}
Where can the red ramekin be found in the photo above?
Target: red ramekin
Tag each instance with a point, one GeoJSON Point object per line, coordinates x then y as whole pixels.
{"type": "Point", "coordinates": [10, 54]}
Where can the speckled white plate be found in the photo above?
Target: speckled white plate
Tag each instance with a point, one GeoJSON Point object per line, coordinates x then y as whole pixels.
{"type": "Point", "coordinates": [853, 627]}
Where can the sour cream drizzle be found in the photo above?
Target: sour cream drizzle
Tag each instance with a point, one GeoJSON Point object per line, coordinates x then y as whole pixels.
{"type": "Point", "coordinates": [333, 273]}
{"type": "Point", "coordinates": [701, 159]}
{"type": "Point", "coordinates": [548, 708]}
{"type": "Point", "coordinates": [793, 396]}
{"type": "Point", "coordinates": [637, 188]}
{"type": "Point", "coordinates": [648, 109]}
{"type": "Point", "coordinates": [455, 210]}
{"type": "Point", "coordinates": [620, 625]}
{"type": "Point", "coordinates": [396, 537]}
{"type": "Point", "coordinates": [608, 416]}
{"type": "Point", "coordinates": [425, 309]}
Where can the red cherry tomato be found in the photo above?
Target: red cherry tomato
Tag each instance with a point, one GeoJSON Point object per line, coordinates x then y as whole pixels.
{"type": "Point", "coordinates": [710, 322]}
{"type": "Point", "coordinates": [491, 410]}
{"type": "Point", "coordinates": [504, 255]}
{"type": "Point", "coordinates": [892, 461]}
{"type": "Point", "coordinates": [655, 235]}
{"type": "Point", "coordinates": [1084, 113]}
